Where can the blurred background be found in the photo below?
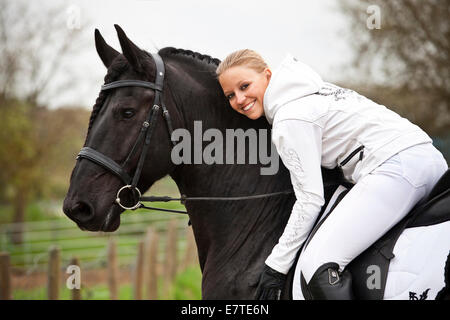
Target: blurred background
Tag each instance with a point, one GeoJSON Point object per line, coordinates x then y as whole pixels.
{"type": "Point", "coordinates": [396, 53]}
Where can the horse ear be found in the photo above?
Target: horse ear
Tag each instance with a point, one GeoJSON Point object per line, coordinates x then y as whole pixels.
{"type": "Point", "coordinates": [106, 53]}
{"type": "Point", "coordinates": [129, 49]}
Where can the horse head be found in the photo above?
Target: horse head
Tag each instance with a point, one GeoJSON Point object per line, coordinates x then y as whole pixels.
{"type": "Point", "coordinates": [115, 125]}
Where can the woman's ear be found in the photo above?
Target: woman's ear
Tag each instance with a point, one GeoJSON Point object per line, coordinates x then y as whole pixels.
{"type": "Point", "coordinates": [268, 73]}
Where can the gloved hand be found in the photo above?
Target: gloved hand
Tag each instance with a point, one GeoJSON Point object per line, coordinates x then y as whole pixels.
{"type": "Point", "coordinates": [271, 284]}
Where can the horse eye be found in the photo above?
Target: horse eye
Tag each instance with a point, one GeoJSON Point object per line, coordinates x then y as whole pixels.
{"type": "Point", "coordinates": [128, 113]}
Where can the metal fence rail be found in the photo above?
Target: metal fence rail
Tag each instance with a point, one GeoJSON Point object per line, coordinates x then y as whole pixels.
{"type": "Point", "coordinates": [146, 246]}
{"type": "Point", "coordinates": [87, 246]}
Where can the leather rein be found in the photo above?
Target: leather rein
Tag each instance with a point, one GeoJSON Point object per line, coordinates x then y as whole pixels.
{"type": "Point", "coordinates": [145, 138]}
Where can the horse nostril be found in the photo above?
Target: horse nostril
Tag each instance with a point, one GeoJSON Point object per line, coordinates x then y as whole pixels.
{"type": "Point", "coordinates": [81, 212]}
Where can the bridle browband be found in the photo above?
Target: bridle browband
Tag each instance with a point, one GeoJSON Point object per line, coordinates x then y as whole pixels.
{"type": "Point", "coordinates": [145, 135]}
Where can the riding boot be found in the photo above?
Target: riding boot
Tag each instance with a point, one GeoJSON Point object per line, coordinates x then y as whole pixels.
{"type": "Point", "coordinates": [328, 283]}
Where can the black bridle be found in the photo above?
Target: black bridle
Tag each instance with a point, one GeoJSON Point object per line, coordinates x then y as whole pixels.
{"type": "Point", "coordinates": [145, 135]}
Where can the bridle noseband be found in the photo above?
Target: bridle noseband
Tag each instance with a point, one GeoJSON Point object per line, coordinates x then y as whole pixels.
{"type": "Point", "coordinates": [145, 135]}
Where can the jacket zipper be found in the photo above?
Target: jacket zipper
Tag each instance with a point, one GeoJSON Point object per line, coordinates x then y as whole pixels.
{"type": "Point", "coordinates": [351, 155]}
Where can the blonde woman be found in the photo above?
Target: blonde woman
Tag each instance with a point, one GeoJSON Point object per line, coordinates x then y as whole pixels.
{"type": "Point", "coordinates": [391, 161]}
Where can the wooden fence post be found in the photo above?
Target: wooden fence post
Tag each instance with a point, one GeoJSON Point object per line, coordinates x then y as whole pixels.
{"type": "Point", "coordinates": [139, 272]}
{"type": "Point", "coordinates": [190, 255]}
{"type": "Point", "coordinates": [5, 276]}
{"type": "Point", "coordinates": [53, 273]}
{"type": "Point", "coordinates": [151, 249]}
{"type": "Point", "coordinates": [75, 293]}
{"type": "Point", "coordinates": [170, 266]}
{"type": "Point", "coordinates": [112, 269]}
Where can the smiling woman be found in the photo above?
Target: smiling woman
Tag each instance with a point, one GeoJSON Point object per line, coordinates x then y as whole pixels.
{"type": "Point", "coordinates": [315, 124]}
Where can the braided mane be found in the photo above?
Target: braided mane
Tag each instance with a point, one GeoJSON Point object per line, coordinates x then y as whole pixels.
{"type": "Point", "coordinates": [171, 51]}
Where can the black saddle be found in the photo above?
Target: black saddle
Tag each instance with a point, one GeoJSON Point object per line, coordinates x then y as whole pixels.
{"type": "Point", "coordinates": [433, 210]}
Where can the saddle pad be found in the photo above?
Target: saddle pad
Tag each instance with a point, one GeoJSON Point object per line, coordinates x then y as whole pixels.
{"type": "Point", "coordinates": [417, 270]}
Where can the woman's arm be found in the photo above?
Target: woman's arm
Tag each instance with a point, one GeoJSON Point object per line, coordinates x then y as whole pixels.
{"type": "Point", "coordinates": [299, 144]}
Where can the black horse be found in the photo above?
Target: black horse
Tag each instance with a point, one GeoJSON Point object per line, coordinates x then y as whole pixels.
{"type": "Point", "coordinates": [233, 237]}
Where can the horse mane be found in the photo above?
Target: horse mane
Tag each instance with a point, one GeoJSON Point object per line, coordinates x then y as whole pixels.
{"type": "Point", "coordinates": [196, 57]}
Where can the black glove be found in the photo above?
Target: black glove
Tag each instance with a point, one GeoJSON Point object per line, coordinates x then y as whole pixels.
{"type": "Point", "coordinates": [271, 284]}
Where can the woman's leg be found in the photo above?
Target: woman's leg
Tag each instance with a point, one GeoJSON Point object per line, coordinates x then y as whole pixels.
{"type": "Point", "coordinates": [373, 206]}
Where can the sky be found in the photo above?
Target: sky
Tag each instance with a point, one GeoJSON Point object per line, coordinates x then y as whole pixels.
{"type": "Point", "coordinates": [313, 31]}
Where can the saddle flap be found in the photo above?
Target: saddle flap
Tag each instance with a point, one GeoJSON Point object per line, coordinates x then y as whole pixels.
{"type": "Point", "coordinates": [433, 212]}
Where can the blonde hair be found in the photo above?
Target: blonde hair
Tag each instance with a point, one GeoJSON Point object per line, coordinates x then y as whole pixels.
{"type": "Point", "coordinates": [244, 57]}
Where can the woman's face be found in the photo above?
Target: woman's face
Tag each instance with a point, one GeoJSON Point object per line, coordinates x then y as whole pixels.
{"type": "Point", "coordinates": [245, 88]}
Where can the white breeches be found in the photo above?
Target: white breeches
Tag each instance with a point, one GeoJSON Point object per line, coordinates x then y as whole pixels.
{"type": "Point", "coordinates": [375, 204]}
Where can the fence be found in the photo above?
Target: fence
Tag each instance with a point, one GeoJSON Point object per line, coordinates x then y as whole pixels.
{"type": "Point", "coordinates": [152, 246]}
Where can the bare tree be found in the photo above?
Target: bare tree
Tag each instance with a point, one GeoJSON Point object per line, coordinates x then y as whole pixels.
{"type": "Point", "coordinates": [35, 43]}
{"type": "Point", "coordinates": [410, 51]}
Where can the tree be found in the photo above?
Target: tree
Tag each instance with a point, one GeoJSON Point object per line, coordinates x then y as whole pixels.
{"type": "Point", "coordinates": [35, 42]}
{"type": "Point", "coordinates": [407, 56]}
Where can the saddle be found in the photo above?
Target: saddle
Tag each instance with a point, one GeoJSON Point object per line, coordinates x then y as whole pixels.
{"type": "Point", "coordinates": [433, 210]}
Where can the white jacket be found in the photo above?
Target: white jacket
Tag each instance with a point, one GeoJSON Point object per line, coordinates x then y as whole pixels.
{"type": "Point", "coordinates": [316, 124]}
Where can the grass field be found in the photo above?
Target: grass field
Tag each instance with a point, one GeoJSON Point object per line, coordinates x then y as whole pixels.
{"type": "Point", "coordinates": [187, 286]}
{"type": "Point", "coordinates": [46, 226]}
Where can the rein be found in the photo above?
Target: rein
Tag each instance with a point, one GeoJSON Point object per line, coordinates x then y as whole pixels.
{"type": "Point", "coordinates": [184, 198]}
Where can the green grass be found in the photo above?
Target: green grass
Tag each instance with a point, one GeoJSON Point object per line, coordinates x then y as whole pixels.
{"type": "Point", "coordinates": [59, 231]}
{"type": "Point", "coordinates": [187, 286]}
{"type": "Point", "coordinates": [99, 292]}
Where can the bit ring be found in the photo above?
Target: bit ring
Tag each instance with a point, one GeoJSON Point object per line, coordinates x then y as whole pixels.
{"type": "Point", "coordinates": [128, 186]}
